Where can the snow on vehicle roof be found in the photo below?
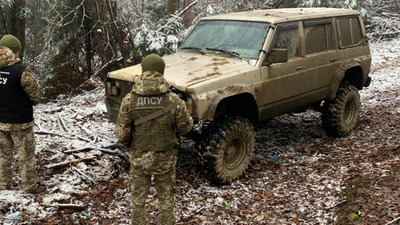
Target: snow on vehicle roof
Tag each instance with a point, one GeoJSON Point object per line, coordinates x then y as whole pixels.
{"type": "Point", "coordinates": [282, 15]}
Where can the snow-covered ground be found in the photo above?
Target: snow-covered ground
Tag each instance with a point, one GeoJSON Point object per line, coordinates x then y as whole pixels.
{"type": "Point", "coordinates": [296, 177]}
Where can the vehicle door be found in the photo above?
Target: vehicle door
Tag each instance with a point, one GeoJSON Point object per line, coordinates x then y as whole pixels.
{"type": "Point", "coordinates": [282, 82]}
{"type": "Point", "coordinates": [321, 58]}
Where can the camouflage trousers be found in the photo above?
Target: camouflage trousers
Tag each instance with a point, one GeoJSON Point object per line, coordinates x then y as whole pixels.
{"type": "Point", "coordinates": [23, 142]}
{"type": "Point", "coordinates": [160, 165]}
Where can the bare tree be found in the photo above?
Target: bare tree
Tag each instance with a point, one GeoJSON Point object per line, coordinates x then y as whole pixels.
{"type": "Point", "coordinates": [112, 8]}
{"type": "Point", "coordinates": [19, 24]}
{"type": "Point", "coordinates": [173, 6]}
{"type": "Point", "coordinates": [13, 15]}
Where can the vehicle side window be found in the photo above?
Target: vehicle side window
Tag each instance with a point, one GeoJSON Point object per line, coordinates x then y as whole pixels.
{"type": "Point", "coordinates": [349, 31]}
{"type": "Point", "coordinates": [318, 35]}
{"type": "Point", "coordinates": [287, 37]}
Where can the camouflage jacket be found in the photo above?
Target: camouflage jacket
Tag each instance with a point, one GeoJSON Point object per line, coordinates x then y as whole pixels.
{"type": "Point", "coordinates": [28, 84]}
{"type": "Point", "coordinates": [159, 134]}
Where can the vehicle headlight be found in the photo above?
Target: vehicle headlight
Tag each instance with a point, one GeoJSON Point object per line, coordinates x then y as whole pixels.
{"type": "Point", "coordinates": [189, 105]}
{"type": "Point", "coordinates": [113, 88]}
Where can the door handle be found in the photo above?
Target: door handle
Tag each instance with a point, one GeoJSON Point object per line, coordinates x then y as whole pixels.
{"type": "Point", "coordinates": [299, 68]}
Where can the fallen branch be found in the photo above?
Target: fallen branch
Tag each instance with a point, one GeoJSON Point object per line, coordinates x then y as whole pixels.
{"type": "Point", "coordinates": [113, 145]}
{"type": "Point", "coordinates": [62, 122]}
{"type": "Point", "coordinates": [88, 148]}
{"type": "Point", "coordinates": [58, 109]}
{"type": "Point", "coordinates": [116, 152]}
{"type": "Point", "coordinates": [103, 150]}
{"type": "Point", "coordinates": [398, 218]}
{"type": "Point", "coordinates": [84, 175]}
{"type": "Point", "coordinates": [108, 151]}
{"type": "Point", "coordinates": [79, 207]}
{"type": "Point", "coordinates": [43, 132]}
{"type": "Point", "coordinates": [84, 149]}
{"type": "Point", "coordinates": [336, 205]}
{"type": "Point", "coordinates": [67, 163]}
{"type": "Point", "coordinates": [83, 138]}
{"type": "Point", "coordinates": [38, 126]}
{"type": "Point", "coordinates": [89, 134]}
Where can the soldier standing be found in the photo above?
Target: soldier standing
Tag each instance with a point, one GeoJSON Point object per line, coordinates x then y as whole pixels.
{"type": "Point", "coordinates": [150, 118]}
{"type": "Point", "coordinates": [18, 93]}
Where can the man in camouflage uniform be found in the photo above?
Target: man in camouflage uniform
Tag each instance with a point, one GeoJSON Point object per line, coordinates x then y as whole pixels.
{"type": "Point", "coordinates": [150, 118]}
{"type": "Point", "coordinates": [18, 93]}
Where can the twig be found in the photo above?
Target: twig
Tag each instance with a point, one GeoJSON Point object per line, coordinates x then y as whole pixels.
{"type": "Point", "coordinates": [108, 151]}
{"type": "Point", "coordinates": [115, 152]}
{"type": "Point", "coordinates": [104, 67]}
{"type": "Point", "coordinates": [79, 207]}
{"type": "Point", "coordinates": [95, 138]}
{"type": "Point", "coordinates": [66, 163]}
{"type": "Point", "coordinates": [398, 218]}
{"type": "Point", "coordinates": [84, 149]}
{"type": "Point", "coordinates": [337, 204]}
{"type": "Point", "coordinates": [44, 132]}
{"type": "Point", "coordinates": [89, 148]}
{"type": "Point", "coordinates": [103, 150]}
{"type": "Point", "coordinates": [83, 138]}
{"type": "Point", "coordinates": [59, 109]}
{"type": "Point", "coordinates": [38, 126]}
{"type": "Point", "coordinates": [83, 174]}
{"type": "Point", "coordinates": [62, 122]}
{"type": "Point", "coordinates": [197, 211]}
{"type": "Point", "coordinates": [113, 145]}
{"type": "Point", "coordinates": [187, 8]}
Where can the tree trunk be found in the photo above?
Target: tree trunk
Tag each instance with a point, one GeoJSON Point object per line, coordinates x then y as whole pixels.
{"type": "Point", "coordinates": [188, 16]}
{"type": "Point", "coordinates": [19, 26]}
{"type": "Point", "coordinates": [117, 32]}
{"type": "Point", "coordinates": [88, 46]}
{"type": "Point", "coordinates": [3, 20]}
{"type": "Point", "coordinates": [172, 6]}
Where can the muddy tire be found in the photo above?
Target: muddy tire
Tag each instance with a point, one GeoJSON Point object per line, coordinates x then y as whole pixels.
{"type": "Point", "coordinates": [340, 116]}
{"type": "Point", "coordinates": [226, 149]}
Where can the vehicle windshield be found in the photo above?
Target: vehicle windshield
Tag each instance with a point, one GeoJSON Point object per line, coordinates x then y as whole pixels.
{"type": "Point", "coordinates": [237, 38]}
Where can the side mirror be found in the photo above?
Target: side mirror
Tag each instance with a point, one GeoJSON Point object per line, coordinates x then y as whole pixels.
{"type": "Point", "coordinates": [277, 55]}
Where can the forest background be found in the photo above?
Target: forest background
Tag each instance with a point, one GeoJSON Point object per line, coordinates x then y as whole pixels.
{"type": "Point", "coordinates": [71, 44]}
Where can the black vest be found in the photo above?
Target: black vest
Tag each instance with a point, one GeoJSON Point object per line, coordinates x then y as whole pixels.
{"type": "Point", "coordinates": [15, 105]}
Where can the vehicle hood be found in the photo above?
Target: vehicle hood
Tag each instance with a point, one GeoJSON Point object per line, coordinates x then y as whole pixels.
{"type": "Point", "coordinates": [186, 68]}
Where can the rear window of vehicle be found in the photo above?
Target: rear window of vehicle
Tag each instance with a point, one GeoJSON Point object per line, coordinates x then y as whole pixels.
{"type": "Point", "coordinates": [318, 35]}
{"type": "Point", "coordinates": [349, 31]}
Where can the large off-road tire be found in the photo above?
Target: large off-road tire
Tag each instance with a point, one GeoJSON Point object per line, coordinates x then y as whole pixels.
{"type": "Point", "coordinates": [340, 116]}
{"type": "Point", "coordinates": [226, 149]}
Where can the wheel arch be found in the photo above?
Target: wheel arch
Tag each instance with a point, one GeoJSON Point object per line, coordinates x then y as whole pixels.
{"type": "Point", "coordinates": [243, 105]}
{"type": "Point", "coordinates": [351, 72]}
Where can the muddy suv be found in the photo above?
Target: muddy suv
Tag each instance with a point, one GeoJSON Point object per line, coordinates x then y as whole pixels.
{"type": "Point", "coordinates": [235, 70]}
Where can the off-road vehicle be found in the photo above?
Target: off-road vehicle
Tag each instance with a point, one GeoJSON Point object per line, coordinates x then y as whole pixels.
{"type": "Point", "coordinates": [235, 70]}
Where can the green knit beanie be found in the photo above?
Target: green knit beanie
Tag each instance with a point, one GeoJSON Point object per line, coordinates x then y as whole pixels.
{"type": "Point", "coordinates": [11, 42]}
{"type": "Point", "coordinates": [153, 62]}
